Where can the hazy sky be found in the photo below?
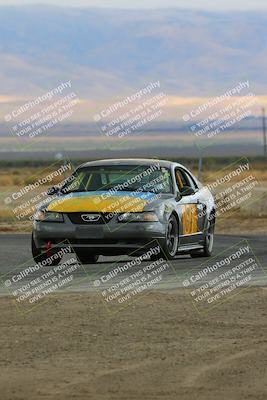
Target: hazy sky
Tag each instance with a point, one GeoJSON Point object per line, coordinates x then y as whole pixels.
{"type": "Point", "coordinates": [197, 4]}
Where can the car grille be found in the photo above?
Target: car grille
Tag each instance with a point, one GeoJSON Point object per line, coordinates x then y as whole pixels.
{"type": "Point", "coordinates": [76, 218]}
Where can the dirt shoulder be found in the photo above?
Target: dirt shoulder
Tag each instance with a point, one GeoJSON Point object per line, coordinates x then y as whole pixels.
{"type": "Point", "coordinates": [242, 225]}
{"type": "Point", "coordinates": [158, 348]}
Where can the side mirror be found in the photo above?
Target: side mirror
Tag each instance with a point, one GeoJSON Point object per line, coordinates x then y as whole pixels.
{"type": "Point", "coordinates": [187, 191]}
{"type": "Point", "coordinates": [53, 190]}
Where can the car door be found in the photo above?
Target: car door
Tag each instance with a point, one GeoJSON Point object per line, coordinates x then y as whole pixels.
{"type": "Point", "coordinates": [191, 209]}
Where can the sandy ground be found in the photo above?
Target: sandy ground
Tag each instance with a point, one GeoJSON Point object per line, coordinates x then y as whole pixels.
{"type": "Point", "coordinates": [242, 225]}
{"type": "Point", "coordinates": [157, 348]}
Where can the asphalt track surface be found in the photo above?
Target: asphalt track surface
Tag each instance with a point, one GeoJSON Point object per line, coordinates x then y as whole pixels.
{"type": "Point", "coordinates": [15, 256]}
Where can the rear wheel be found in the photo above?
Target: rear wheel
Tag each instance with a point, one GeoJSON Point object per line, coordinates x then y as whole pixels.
{"type": "Point", "coordinates": [85, 257]}
{"type": "Point", "coordinates": [208, 243]}
{"type": "Point", "coordinates": [39, 255]}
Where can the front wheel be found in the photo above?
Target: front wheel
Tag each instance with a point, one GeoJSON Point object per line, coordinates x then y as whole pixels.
{"type": "Point", "coordinates": [208, 242]}
{"type": "Point", "coordinates": [170, 244]}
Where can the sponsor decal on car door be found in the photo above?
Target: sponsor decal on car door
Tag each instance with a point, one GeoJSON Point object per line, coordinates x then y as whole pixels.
{"type": "Point", "coordinates": [190, 219]}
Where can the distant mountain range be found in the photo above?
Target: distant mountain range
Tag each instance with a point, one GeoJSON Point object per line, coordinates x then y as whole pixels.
{"type": "Point", "coordinates": [108, 54]}
{"type": "Point", "coordinates": [111, 52]}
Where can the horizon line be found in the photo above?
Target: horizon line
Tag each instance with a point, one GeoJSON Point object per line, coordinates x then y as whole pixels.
{"type": "Point", "coordinates": [115, 8]}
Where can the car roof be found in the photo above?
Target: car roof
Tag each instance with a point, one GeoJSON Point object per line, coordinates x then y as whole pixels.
{"type": "Point", "coordinates": [130, 161]}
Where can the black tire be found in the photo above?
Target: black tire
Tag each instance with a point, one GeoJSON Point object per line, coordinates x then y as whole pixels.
{"type": "Point", "coordinates": [84, 257]}
{"type": "Point", "coordinates": [208, 241]}
{"type": "Point", "coordinates": [40, 256]}
{"type": "Point", "coordinates": [170, 244]}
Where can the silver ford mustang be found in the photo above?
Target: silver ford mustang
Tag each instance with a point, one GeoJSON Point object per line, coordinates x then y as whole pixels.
{"type": "Point", "coordinates": [113, 207]}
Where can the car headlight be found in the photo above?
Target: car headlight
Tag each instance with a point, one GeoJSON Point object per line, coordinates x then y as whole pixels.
{"type": "Point", "coordinates": [138, 217]}
{"type": "Point", "coordinates": [42, 215]}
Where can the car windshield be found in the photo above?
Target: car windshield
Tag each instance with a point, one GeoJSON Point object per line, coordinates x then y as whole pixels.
{"type": "Point", "coordinates": [128, 178]}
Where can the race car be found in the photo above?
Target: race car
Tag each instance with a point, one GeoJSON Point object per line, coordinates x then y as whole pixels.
{"type": "Point", "coordinates": [119, 206]}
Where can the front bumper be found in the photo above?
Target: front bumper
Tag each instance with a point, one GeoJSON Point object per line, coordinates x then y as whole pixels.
{"type": "Point", "coordinates": [107, 237]}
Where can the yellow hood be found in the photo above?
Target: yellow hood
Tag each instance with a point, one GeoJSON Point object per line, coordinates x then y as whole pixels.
{"type": "Point", "coordinates": [115, 204]}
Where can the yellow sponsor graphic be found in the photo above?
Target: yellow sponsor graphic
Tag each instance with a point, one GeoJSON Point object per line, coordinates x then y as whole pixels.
{"type": "Point", "coordinates": [190, 219]}
{"type": "Point", "coordinates": [113, 204]}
